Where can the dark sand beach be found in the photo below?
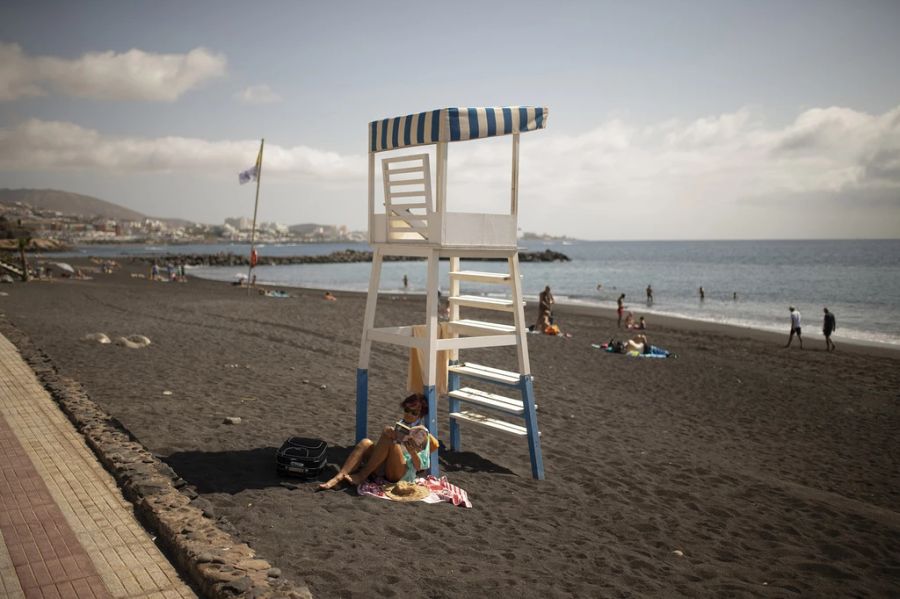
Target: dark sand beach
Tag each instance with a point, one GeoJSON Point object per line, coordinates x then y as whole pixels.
{"type": "Point", "coordinates": [738, 469]}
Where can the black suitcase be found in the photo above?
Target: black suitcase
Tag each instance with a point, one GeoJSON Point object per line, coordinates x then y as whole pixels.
{"type": "Point", "coordinates": [301, 456]}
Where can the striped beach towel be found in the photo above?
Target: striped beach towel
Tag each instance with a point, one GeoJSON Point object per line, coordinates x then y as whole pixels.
{"type": "Point", "coordinates": [442, 491]}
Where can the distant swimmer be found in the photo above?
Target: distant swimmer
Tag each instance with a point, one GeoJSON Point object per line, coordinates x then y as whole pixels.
{"type": "Point", "coordinates": [702, 294]}
{"type": "Point", "coordinates": [734, 296]}
{"type": "Point", "coordinates": [599, 286]}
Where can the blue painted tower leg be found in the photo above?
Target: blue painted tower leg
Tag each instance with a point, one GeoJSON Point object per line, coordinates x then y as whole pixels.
{"type": "Point", "coordinates": [534, 438]}
{"type": "Point", "coordinates": [431, 397]}
{"type": "Point", "coordinates": [453, 384]}
{"type": "Point", "coordinates": [362, 403]}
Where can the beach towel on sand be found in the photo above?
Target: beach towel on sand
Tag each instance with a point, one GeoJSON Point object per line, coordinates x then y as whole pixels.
{"type": "Point", "coordinates": [655, 352]}
{"type": "Point", "coordinates": [441, 491]}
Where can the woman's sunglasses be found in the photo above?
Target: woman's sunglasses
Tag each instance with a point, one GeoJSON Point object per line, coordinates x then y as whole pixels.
{"type": "Point", "coordinates": [410, 410]}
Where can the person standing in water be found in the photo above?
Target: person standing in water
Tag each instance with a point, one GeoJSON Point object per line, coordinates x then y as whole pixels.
{"type": "Point", "coordinates": [795, 327]}
{"type": "Point", "coordinates": [649, 295]}
{"type": "Point", "coordinates": [405, 282]}
{"type": "Point", "coordinates": [702, 294]}
{"type": "Point", "coordinates": [829, 325]}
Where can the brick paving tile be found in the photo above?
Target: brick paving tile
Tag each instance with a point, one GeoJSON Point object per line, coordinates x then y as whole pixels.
{"type": "Point", "coordinates": [65, 530]}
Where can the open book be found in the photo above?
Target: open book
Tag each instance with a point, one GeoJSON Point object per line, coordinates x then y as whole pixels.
{"type": "Point", "coordinates": [418, 435]}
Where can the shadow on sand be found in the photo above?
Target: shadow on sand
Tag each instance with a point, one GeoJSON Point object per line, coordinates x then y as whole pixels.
{"type": "Point", "coordinates": [235, 471]}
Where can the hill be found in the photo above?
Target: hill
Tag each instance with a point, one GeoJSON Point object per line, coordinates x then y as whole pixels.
{"type": "Point", "coordinates": [68, 203]}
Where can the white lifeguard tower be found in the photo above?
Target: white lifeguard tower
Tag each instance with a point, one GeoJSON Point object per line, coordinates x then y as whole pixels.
{"type": "Point", "coordinates": [413, 225]}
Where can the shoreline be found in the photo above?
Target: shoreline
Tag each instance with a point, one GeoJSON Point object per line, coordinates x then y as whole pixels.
{"type": "Point", "coordinates": [732, 330]}
{"type": "Point", "coordinates": [684, 323]}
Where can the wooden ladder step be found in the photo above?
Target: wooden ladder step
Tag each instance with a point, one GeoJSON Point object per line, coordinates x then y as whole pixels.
{"type": "Point", "coordinates": [480, 327]}
{"type": "Point", "coordinates": [492, 423]}
{"type": "Point", "coordinates": [486, 373]}
{"type": "Point", "coordinates": [486, 303]}
{"type": "Point", "coordinates": [481, 277]}
{"type": "Point", "coordinates": [489, 400]}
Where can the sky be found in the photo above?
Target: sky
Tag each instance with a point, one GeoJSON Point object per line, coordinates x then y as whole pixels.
{"type": "Point", "coordinates": [667, 120]}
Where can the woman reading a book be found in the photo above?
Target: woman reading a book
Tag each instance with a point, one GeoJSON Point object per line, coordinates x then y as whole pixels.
{"type": "Point", "coordinates": [400, 452]}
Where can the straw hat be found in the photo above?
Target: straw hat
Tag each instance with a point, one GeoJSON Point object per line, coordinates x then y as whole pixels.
{"type": "Point", "coordinates": [404, 491]}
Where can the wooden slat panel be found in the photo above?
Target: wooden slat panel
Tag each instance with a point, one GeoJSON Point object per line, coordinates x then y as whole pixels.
{"type": "Point", "coordinates": [492, 423]}
{"type": "Point", "coordinates": [489, 400]}
{"type": "Point", "coordinates": [407, 194]}
{"type": "Point", "coordinates": [479, 371]}
{"type": "Point", "coordinates": [480, 277]}
{"type": "Point", "coordinates": [412, 169]}
{"type": "Point", "coordinates": [404, 158]}
{"type": "Point", "coordinates": [421, 206]}
{"type": "Point", "coordinates": [475, 342]}
{"type": "Point", "coordinates": [407, 182]}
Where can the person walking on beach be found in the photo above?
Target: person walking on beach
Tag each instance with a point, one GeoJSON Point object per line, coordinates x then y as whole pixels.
{"type": "Point", "coordinates": [649, 295]}
{"type": "Point", "coordinates": [702, 294]}
{"type": "Point", "coordinates": [828, 327]}
{"type": "Point", "coordinates": [620, 308]}
{"type": "Point", "coordinates": [795, 327]}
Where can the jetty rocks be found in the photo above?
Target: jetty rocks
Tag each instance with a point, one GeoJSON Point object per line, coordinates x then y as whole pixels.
{"type": "Point", "coordinates": [345, 256]}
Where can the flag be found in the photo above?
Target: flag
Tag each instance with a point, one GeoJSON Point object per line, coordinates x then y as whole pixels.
{"type": "Point", "coordinates": [248, 175]}
{"type": "Point", "coordinates": [252, 173]}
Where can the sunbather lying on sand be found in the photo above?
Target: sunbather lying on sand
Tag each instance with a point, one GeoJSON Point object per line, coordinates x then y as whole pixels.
{"type": "Point", "coordinates": [637, 346]}
{"type": "Point", "coordinates": [397, 455]}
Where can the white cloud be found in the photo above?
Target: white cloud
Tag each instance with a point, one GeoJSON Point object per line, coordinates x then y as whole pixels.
{"type": "Point", "coordinates": [724, 176]}
{"type": "Point", "coordinates": [258, 94]}
{"type": "Point", "coordinates": [131, 75]}
{"type": "Point", "coordinates": [53, 145]}
{"type": "Point", "coordinates": [730, 175]}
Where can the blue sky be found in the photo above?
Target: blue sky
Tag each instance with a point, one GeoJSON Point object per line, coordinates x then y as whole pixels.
{"type": "Point", "coordinates": [668, 120]}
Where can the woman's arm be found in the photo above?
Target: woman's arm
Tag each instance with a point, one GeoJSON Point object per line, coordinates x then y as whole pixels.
{"type": "Point", "coordinates": [413, 452]}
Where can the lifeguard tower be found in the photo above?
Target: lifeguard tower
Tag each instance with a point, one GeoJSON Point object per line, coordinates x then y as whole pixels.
{"type": "Point", "coordinates": [412, 223]}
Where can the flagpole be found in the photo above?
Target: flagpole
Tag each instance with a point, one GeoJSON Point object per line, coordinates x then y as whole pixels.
{"type": "Point", "coordinates": [255, 208]}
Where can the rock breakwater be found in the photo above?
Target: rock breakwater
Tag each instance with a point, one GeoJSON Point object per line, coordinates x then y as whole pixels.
{"type": "Point", "coordinates": [342, 257]}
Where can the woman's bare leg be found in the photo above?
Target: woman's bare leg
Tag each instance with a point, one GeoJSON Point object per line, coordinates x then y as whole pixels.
{"type": "Point", "coordinates": [360, 453]}
{"type": "Point", "coordinates": [380, 453]}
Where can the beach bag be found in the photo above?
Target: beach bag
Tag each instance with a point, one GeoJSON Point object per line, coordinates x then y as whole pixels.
{"type": "Point", "coordinates": [301, 456]}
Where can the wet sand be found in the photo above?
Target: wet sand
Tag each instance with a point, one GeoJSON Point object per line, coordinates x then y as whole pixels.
{"type": "Point", "coordinates": [737, 469]}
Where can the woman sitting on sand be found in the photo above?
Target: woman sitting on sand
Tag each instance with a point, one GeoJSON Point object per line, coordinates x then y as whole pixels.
{"type": "Point", "coordinates": [395, 456]}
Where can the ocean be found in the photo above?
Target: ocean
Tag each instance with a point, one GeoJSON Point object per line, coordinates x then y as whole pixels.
{"type": "Point", "coordinates": [858, 280]}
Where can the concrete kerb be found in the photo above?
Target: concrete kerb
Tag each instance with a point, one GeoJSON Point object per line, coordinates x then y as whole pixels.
{"type": "Point", "coordinates": [216, 563]}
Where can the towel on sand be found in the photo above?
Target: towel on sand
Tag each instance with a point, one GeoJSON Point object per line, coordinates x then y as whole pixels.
{"type": "Point", "coordinates": [441, 491]}
{"type": "Point", "coordinates": [655, 351]}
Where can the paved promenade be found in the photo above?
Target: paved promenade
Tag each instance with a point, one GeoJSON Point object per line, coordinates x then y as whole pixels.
{"type": "Point", "coordinates": [65, 529]}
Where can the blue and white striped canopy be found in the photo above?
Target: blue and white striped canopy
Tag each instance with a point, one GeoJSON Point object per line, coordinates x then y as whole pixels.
{"type": "Point", "coordinates": [453, 124]}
